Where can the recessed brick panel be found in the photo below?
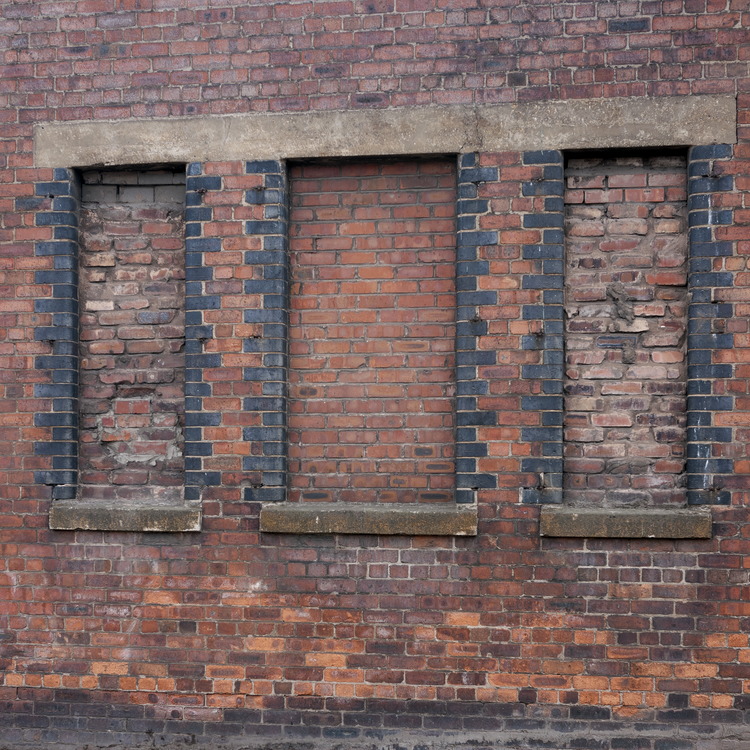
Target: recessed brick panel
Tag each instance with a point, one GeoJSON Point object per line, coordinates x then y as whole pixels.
{"type": "Point", "coordinates": [132, 335]}
{"type": "Point", "coordinates": [625, 335]}
{"type": "Point", "coordinates": [372, 331]}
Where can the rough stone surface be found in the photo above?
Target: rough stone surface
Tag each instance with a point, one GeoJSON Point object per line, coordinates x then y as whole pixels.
{"type": "Point", "coordinates": [145, 515]}
{"type": "Point", "coordinates": [624, 523]}
{"type": "Point", "coordinates": [369, 518]}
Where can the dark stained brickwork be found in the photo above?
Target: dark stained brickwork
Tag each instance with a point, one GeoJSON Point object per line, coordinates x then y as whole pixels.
{"type": "Point", "coordinates": [233, 637]}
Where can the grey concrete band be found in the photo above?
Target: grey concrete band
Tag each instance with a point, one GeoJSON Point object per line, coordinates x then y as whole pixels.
{"type": "Point", "coordinates": [626, 523]}
{"type": "Point", "coordinates": [105, 516]}
{"type": "Point", "coordinates": [573, 124]}
{"type": "Point", "coordinates": [447, 519]}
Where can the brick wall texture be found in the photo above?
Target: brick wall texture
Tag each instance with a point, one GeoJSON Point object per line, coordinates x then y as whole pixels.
{"type": "Point", "coordinates": [522, 328]}
{"type": "Point", "coordinates": [372, 331]}
{"type": "Point", "coordinates": [132, 335]}
{"type": "Point", "coordinates": [626, 330]}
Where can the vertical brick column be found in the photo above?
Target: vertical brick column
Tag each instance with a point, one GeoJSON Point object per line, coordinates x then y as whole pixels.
{"type": "Point", "coordinates": [266, 278]}
{"type": "Point", "coordinates": [711, 448]}
{"type": "Point", "coordinates": [199, 299]}
{"type": "Point", "coordinates": [58, 315]}
{"type": "Point", "coordinates": [544, 215]}
{"type": "Point", "coordinates": [473, 298]}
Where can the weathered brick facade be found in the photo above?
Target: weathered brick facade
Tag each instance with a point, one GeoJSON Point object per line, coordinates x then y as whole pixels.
{"type": "Point", "coordinates": [626, 331]}
{"type": "Point", "coordinates": [132, 335]}
{"type": "Point", "coordinates": [406, 266]}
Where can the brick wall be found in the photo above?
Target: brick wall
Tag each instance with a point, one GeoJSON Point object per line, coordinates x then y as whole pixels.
{"type": "Point", "coordinates": [626, 330]}
{"type": "Point", "coordinates": [132, 333]}
{"type": "Point", "coordinates": [372, 331]}
{"type": "Point", "coordinates": [237, 638]}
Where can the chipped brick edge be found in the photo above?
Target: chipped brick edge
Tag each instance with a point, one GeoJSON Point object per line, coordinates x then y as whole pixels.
{"type": "Point", "coordinates": [62, 364]}
{"type": "Point", "coordinates": [197, 273]}
{"type": "Point", "coordinates": [470, 326]}
{"type": "Point", "coordinates": [273, 288]}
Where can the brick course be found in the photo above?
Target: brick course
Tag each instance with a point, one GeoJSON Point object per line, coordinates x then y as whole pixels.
{"type": "Point", "coordinates": [238, 638]}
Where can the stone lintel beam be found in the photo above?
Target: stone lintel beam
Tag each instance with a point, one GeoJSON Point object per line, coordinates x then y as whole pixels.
{"type": "Point", "coordinates": [445, 519]}
{"type": "Point", "coordinates": [626, 523]}
{"type": "Point", "coordinates": [572, 124]}
{"type": "Point", "coordinates": [131, 516]}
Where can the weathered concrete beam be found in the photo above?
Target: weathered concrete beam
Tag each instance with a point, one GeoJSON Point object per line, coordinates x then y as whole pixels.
{"type": "Point", "coordinates": [116, 516]}
{"type": "Point", "coordinates": [624, 523]}
{"type": "Point", "coordinates": [444, 519]}
{"type": "Point", "coordinates": [573, 124]}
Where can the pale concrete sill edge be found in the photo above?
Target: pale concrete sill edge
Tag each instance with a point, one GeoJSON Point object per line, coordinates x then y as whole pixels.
{"type": "Point", "coordinates": [626, 523]}
{"type": "Point", "coordinates": [71, 515]}
{"type": "Point", "coordinates": [412, 519]}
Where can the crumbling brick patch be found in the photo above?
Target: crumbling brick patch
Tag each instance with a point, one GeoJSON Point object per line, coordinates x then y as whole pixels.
{"type": "Point", "coordinates": [132, 334]}
{"type": "Point", "coordinates": [372, 331]}
{"type": "Point", "coordinates": [625, 332]}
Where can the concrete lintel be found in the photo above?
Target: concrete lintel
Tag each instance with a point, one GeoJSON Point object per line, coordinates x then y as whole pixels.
{"type": "Point", "coordinates": [108, 516]}
{"type": "Point", "coordinates": [626, 523]}
{"type": "Point", "coordinates": [572, 124]}
{"type": "Point", "coordinates": [370, 518]}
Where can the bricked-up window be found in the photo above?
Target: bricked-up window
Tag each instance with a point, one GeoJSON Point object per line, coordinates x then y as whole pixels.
{"type": "Point", "coordinates": [625, 331]}
{"type": "Point", "coordinates": [132, 333]}
{"type": "Point", "coordinates": [372, 331]}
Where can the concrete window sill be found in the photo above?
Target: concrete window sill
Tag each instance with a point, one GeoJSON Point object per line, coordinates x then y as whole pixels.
{"type": "Point", "coordinates": [369, 518]}
{"type": "Point", "coordinates": [70, 515]}
{"type": "Point", "coordinates": [626, 523]}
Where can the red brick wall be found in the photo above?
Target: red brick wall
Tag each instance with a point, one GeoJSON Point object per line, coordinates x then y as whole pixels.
{"type": "Point", "coordinates": [372, 331]}
{"type": "Point", "coordinates": [625, 332]}
{"type": "Point", "coordinates": [234, 637]}
{"type": "Point", "coordinates": [132, 333]}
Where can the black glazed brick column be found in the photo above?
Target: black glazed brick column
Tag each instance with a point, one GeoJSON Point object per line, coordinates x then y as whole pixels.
{"type": "Point", "coordinates": [266, 202]}
{"type": "Point", "coordinates": [60, 214]}
{"type": "Point", "coordinates": [198, 272]}
{"type": "Point", "coordinates": [708, 465]}
{"type": "Point", "coordinates": [548, 257]}
{"type": "Point", "coordinates": [471, 383]}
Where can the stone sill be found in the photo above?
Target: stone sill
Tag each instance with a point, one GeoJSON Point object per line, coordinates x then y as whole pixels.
{"type": "Point", "coordinates": [626, 523]}
{"type": "Point", "coordinates": [369, 518]}
{"type": "Point", "coordinates": [71, 515]}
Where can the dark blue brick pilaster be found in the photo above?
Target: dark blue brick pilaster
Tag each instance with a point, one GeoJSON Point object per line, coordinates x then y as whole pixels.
{"type": "Point", "coordinates": [58, 203]}
{"type": "Point", "coordinates": [471, 325]}
{"type": "Point", "coordinates": [707, 317]}
{"type": "Point", "coordinates": [267, 462]}
{"type": "Point", "coordinates": [548, 258]}
{"type": "Point", "coordinates": [198, 272]}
